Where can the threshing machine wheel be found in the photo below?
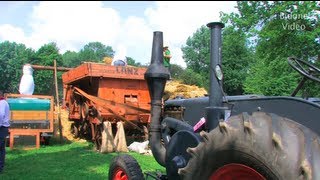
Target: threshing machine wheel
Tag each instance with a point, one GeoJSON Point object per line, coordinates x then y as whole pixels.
{"type": "Point", "coordinates": [125, 167]}
{"type": "Point", "coordinates": [74, 130]}
{"type": "Point", "coordinates": [257, 146]}
{"type": "Point", "coordinates": [84, 110]}
{"type": "Point", "coordinates": [98, 128]}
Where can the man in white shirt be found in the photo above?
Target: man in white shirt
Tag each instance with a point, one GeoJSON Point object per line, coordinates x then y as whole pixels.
{"type": "Point", "coordinates": [4, 126]}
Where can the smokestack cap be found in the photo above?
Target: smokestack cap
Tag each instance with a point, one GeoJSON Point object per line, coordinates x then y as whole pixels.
{"type": "Point", "coordinates": [214, 24]}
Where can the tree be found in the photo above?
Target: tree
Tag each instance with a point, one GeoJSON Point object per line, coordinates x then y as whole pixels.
{"type": "Point", "coordinates": [176, 71]}
{"type": "Point", "coordinates": [95, 52]}
{"type": "Point", "coordinates": [44, 80]}
{"type": "Point", "coordinates": [196, 52]}
{"type": "Point", "coordinates": [132, 62]}
{"type": "Point", "coordinates": [12, 58]}
{"type": "Point", "coordinates": [235, 54]}
{"type": "Point", "coordinates": [71, 59]}
{"type": "Point", "coordinates": [192, 78]}
{"type": "Point", "coordinates": [236, 57]}
{"type": "Point", "coordinates": [279, 29]}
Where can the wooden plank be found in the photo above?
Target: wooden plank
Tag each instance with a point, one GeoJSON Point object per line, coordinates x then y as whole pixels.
{"type": "Point", "coordinates": [8, 95]}
{"type": "Point", "coordinates": [103, 70]}
{"type": "Point", "coordinates": [57, 98]}
{"type": "Point", "coordinates": [122, 72]}
{"type": "Point", "coordinates": [14, 132]}
{"type": "Point", "coordinates": [27, 115]}
{"type": "Point", "coordinates": [75, 74]}
{"type": "Point", "coordinates": [38, 67]}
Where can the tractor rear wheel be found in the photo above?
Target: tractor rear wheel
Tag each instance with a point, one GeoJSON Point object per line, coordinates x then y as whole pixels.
{"type": "Point", "coordinates": [257, 146]}
{"type": "Point", "coordinates": [125, 167]}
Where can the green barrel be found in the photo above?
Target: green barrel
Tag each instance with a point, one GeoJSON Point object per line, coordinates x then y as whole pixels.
{"type": "Point", "coordinates": [28, 104]}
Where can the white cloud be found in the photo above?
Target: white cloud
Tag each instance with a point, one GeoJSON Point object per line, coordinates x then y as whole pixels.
{"type": "Point", "coordinates": [70, 24]}
{"type": "Point", "coordinates": [12, 33]}
{"type": "Point", "coordinates": [179, 20]}
{"type": "Point", "coordinates": [137, 36]}
{"type": "Point", "coordinates": [73, 24]}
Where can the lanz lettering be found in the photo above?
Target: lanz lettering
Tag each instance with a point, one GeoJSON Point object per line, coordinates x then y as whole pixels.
{"type": "Point", "coordinates": [126, 70]}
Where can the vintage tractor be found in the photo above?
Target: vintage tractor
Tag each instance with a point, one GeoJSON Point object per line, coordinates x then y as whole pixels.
{"type": "Point", "coordinates": [242, 137]}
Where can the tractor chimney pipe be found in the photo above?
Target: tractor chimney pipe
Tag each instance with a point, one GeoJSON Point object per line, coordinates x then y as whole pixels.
{"type": "Point", "coordinates": [214, 111]}
{"type": "Point", "coordinates": [156, 76]}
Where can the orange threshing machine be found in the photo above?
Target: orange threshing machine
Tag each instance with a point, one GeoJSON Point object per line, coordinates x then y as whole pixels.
{"type": "Point", "coordinates": [95, 93]}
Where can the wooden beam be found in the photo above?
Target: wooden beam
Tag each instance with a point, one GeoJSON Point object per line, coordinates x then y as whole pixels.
{"type": "Point", "coordinates": [50, 68]}
{"type": "Point", "coordinates": [57, 97]}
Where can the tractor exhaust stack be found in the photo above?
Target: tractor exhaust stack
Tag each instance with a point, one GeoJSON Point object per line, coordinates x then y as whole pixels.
{"type": "Point", "coordinates": [215, 109]}
{"type": "Point", "coordinates": [156, 77]}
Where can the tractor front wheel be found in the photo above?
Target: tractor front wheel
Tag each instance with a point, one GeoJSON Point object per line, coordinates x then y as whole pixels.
{"type": "Point", "coordinates": [125, 167]}
{"type": "Point", "coordinates": [257, 146]}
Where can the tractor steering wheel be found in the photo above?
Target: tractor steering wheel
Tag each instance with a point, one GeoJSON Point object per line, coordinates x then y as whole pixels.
{"type": "Point", "coordinates": [297, 65]}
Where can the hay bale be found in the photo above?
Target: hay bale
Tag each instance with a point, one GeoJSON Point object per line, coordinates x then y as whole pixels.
{"type": "Point", "coordinates": [107, 60]}
{"type": "Point", "coordinates": [176, 88]}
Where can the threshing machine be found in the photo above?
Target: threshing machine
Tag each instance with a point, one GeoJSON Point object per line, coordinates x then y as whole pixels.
{"type": "Point", "coordinates": [95, 93]}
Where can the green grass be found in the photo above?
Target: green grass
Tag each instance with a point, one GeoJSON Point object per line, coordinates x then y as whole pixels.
{"type": "Point", "coordinates": [69, 161]}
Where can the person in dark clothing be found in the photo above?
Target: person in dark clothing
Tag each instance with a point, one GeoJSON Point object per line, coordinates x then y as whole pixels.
{"type": "Point", "coordinates": [4, 126]}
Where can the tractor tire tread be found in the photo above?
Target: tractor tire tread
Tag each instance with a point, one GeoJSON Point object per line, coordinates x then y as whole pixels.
{"type": "Point", "coordinates": [128, 164]}
{"type": "Point", "coordinates": [277, 147]}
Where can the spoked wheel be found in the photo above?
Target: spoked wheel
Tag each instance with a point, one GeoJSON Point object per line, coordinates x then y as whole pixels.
{"type": "Point", "coordinates": [84, 110]}
{"type": "Point", "coordinates": [74, 130]}
{"type": "Point", "coordinates": [98, 136]}
{"type": "Point", "coordinates": [257, 146]}
{"type": "Point", "coordinates": [146, 133]}
{"type": "Point", "coordinates": [124, 167]}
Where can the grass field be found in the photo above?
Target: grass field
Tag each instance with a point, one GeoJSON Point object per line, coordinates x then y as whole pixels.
{"type": "Point", "coordinates": [75, 160]}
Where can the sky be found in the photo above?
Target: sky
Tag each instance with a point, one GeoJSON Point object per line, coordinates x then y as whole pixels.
{"type": "Point", "coordinates": [126, 26]}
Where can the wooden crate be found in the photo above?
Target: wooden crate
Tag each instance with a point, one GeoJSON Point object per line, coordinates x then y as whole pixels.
{"type": "Point", "coordinates": [32, 117]}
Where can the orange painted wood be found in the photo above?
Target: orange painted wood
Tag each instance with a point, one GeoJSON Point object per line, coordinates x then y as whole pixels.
{"type": "Point", "coordinates": [117, 92]}
{"type": "Point", "coordinates": [14, 132]}
{"type": "Point", "coordinates": [29, 115]}
{"type": "Point", "coordinates": [34, 115]}
{"type": "Point", "coordinates": [102, 70]}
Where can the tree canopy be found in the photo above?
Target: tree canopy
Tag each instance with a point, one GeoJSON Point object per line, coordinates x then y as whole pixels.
{"type": "Point", "coordinates": [278, 30]}
{"type": "Point", "coordinates": [256, 43]}
{"type": "Point", "coordinates": [12, 58]}
{"type": "Point", "coordinates": [95, 52]}
{"type": "Point", "coordinates": [235, 54]}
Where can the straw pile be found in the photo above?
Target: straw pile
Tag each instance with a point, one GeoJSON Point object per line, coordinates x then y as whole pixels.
{"type": "Point", "coordinates": [66, 124]}
{"type": "Point", "coordinates": [107, 60]}
{"type": "Point", "coordinates": [175, 88]}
